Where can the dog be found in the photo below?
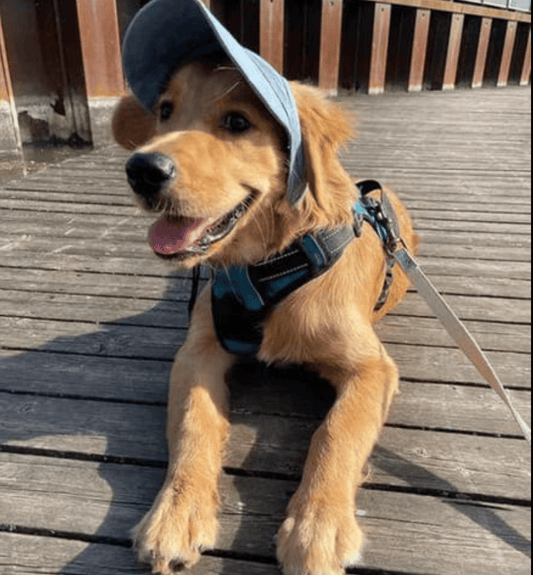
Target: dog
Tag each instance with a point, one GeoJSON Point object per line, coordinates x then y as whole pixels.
{"type": "Point", "coordinates": [212, 163]}
{"type": "Point", "coordinates": [215, 147]}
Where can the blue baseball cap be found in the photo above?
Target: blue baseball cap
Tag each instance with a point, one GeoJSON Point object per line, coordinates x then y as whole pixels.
{"type": "Point", "coordinates": [167, 34]}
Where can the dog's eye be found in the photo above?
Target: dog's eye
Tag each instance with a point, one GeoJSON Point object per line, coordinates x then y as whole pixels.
{"type": "Point", "coordinates": [236, 123]}
{"type": "Point", "coordinates": [166, 110]}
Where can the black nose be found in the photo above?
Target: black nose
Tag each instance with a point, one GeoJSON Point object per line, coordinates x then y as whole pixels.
{"type": "Point", "coordinates": [149, 174]}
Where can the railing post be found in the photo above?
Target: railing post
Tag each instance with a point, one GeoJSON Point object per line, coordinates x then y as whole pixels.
{"type": "Point", "coordinates": [380, 48]}
{"type": "Point", "coordinates": [482, 52]}
{"type": "Point", "coordinates": [420, 43]}
{"type": "Point", "coordinates": [454, 47]}
{"type": "Point", "coordinates": [100, 44]}
{"type": "Point", "coordinates": [9, 127]}
{"type": "Point", "coordinates": [272, 35]}
{"type": "Point", "coordinates": [330, 45]}
{"type": "Point", "coordinates": [508, 47]}
{"type": "Point", "coordinates": [526, 67]}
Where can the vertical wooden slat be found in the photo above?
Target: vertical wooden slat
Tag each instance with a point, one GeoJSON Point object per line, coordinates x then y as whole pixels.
{"type": "Point", "coordinates": [380, 48]}
{"type": "Point", "coordinates": [6, 91]}
{"type": "Point", "coordinates": [482, 52]}
{"type": "Point", "coordinates": [420, 43]}
{"type": "Point", "coordinates": [100, 42]}
{"type": "Point", "coordinates": [272, 21]}
{"type": "Point", "coordinates": [454, 47]}
{"type": "Point", "coordinates": [526, 67]}
{"type": "Point", "coordinates": [508, 47]}
{"type": "Point", "coordinates": [9, 127]}
{"type": "Point", "coordinates": [330, 45]}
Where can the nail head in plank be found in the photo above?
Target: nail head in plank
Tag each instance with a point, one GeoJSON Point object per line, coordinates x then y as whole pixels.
{"type": "Point", "coordinates": [330, 45]}
{"type": "Point", "coordinates": [482, 52]}
{"type": "Point", "coordinates": [380, 47]}
{"type": "Point", "coordinates": [420, 42]}
{"type": "Point", "coordinates": [100, 42]}
{"type": "Point", "coordinates": [272, 18]}
{"type": "Point", "coordinates": [508, 48]}
{"type": "Point", "coordinates": [454, 47]}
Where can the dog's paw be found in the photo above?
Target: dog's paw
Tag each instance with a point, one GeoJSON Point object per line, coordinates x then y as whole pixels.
{"type": "Point", "coordinates": [181, 524]}
{"type": "Point", "coordinates": [319, 541]}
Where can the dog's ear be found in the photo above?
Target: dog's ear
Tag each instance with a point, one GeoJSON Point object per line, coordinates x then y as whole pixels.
{"type": "Point", "coordinates": [325, 128]}
{"type": "Point", "coordinates": [132, 125]}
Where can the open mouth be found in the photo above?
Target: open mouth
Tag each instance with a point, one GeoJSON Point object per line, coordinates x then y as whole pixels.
{"type": "Point", "coordinates": [181, 237]}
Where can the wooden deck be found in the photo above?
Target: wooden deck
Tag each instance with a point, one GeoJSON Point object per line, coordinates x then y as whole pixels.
{"type": "Point", "coordinates": [90, 320]}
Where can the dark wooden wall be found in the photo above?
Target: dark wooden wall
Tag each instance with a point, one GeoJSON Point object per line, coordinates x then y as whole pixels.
{"type": "Point", "coordinates": [60, 59]}
{"type": "Point", "coordinates": [385, 46]}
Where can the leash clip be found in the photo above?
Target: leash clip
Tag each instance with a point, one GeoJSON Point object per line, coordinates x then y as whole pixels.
{"type": "Point", "coordinates": [392, 239]}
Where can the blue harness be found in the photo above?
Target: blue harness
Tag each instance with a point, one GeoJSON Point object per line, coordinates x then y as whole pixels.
{"type": "Point", "coordinates": [243, 296]}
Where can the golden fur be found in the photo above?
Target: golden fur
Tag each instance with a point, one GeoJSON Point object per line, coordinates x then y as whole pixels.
{"type": "Point", "coordinates": [325, 325]}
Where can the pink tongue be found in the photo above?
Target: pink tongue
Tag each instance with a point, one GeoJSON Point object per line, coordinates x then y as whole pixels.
{"type": "Point", "coordinates": [168, 237]}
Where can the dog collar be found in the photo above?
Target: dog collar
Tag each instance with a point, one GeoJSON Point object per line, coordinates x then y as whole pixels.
{"type": "Point", "coordinates": [241, 297]}
{"type": "Point", "coordinates": [166, 35]}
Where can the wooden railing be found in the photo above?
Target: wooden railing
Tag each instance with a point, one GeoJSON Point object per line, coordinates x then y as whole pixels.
{"type": "Point", "coordinates": [442, 38]}
{"type": "Point", "coordinates": [341, 45]}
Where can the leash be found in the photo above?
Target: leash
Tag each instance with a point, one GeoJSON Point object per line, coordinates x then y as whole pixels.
{"type": "Point", "coordinates": [312, 251]}
{"type": "Point", "coordinates": [382, 212]}
{"type": "Point", "coordinates": [458, 331]}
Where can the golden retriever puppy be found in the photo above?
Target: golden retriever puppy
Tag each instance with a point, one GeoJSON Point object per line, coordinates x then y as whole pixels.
{"type": "Point", "coordinates": [211, 164]}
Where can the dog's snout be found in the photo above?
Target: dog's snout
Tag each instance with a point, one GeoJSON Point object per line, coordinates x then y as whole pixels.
{"type": "Point", "coordinates": [148, 174]}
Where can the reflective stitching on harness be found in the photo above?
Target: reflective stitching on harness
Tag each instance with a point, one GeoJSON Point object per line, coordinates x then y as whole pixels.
{"type": "Point", "coordinates": [342, 246]}
{"type": "Point", "coordinates": [333, 234]}
{"type": "Point", "coordinates": [286, 273]}
{"type": "Point", "coordinates": [277, 259]}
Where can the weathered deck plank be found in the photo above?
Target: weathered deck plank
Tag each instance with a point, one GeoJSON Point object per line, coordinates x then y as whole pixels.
{"type": "Point", "coordinates": [45, 554]}
{"type": "Point", "coordinates": [68, 277]}
{"type": "Point", "coordinates": [420, 363]}
{"type": "Point", "coordinates": [423, 460]}
{"type": "Point", "coordinates": [420, 405]}
{"type": "Point", "coordinates": [435, 523]}
{"type": "Point", "coordinates": [90, 323]}
{"type": "Point", "coordinates": [114, 309]}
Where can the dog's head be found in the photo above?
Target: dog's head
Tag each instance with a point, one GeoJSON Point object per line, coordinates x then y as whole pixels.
{"type": "Point", "coordinates": [212, 163]}
{"type": "Point", "coordinates": [218, 160]}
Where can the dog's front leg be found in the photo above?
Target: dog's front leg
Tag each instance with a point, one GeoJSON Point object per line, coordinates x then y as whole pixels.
{"type": "Point", "coordinates": [182, 522]}
{"type": "Point", "coordinates": [320, 535]}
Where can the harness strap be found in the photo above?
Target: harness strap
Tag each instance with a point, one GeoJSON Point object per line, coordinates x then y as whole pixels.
{"type": "Point", "coordinates": [381, 216]}
{"type": "Point", "coordinates": [242, 297]}
{"type": "Point", "coordinates": [306, 258]}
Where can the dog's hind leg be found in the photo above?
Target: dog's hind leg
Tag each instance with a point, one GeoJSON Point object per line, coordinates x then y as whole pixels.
{"type": "Point", "coordinates": [182, 522]}
{"type": "Point", "coordinates": [320, 535]}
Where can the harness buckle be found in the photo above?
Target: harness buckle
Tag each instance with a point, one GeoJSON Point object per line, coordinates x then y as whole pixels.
{"type": "Point", "coordinates": [391, 238]}
{"type": "Point", "coordinates": [380, 214]}
{"type": "Point", "coordinates": [315, 255]}
{"type": "Point", "coordinates": [358, 221]}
